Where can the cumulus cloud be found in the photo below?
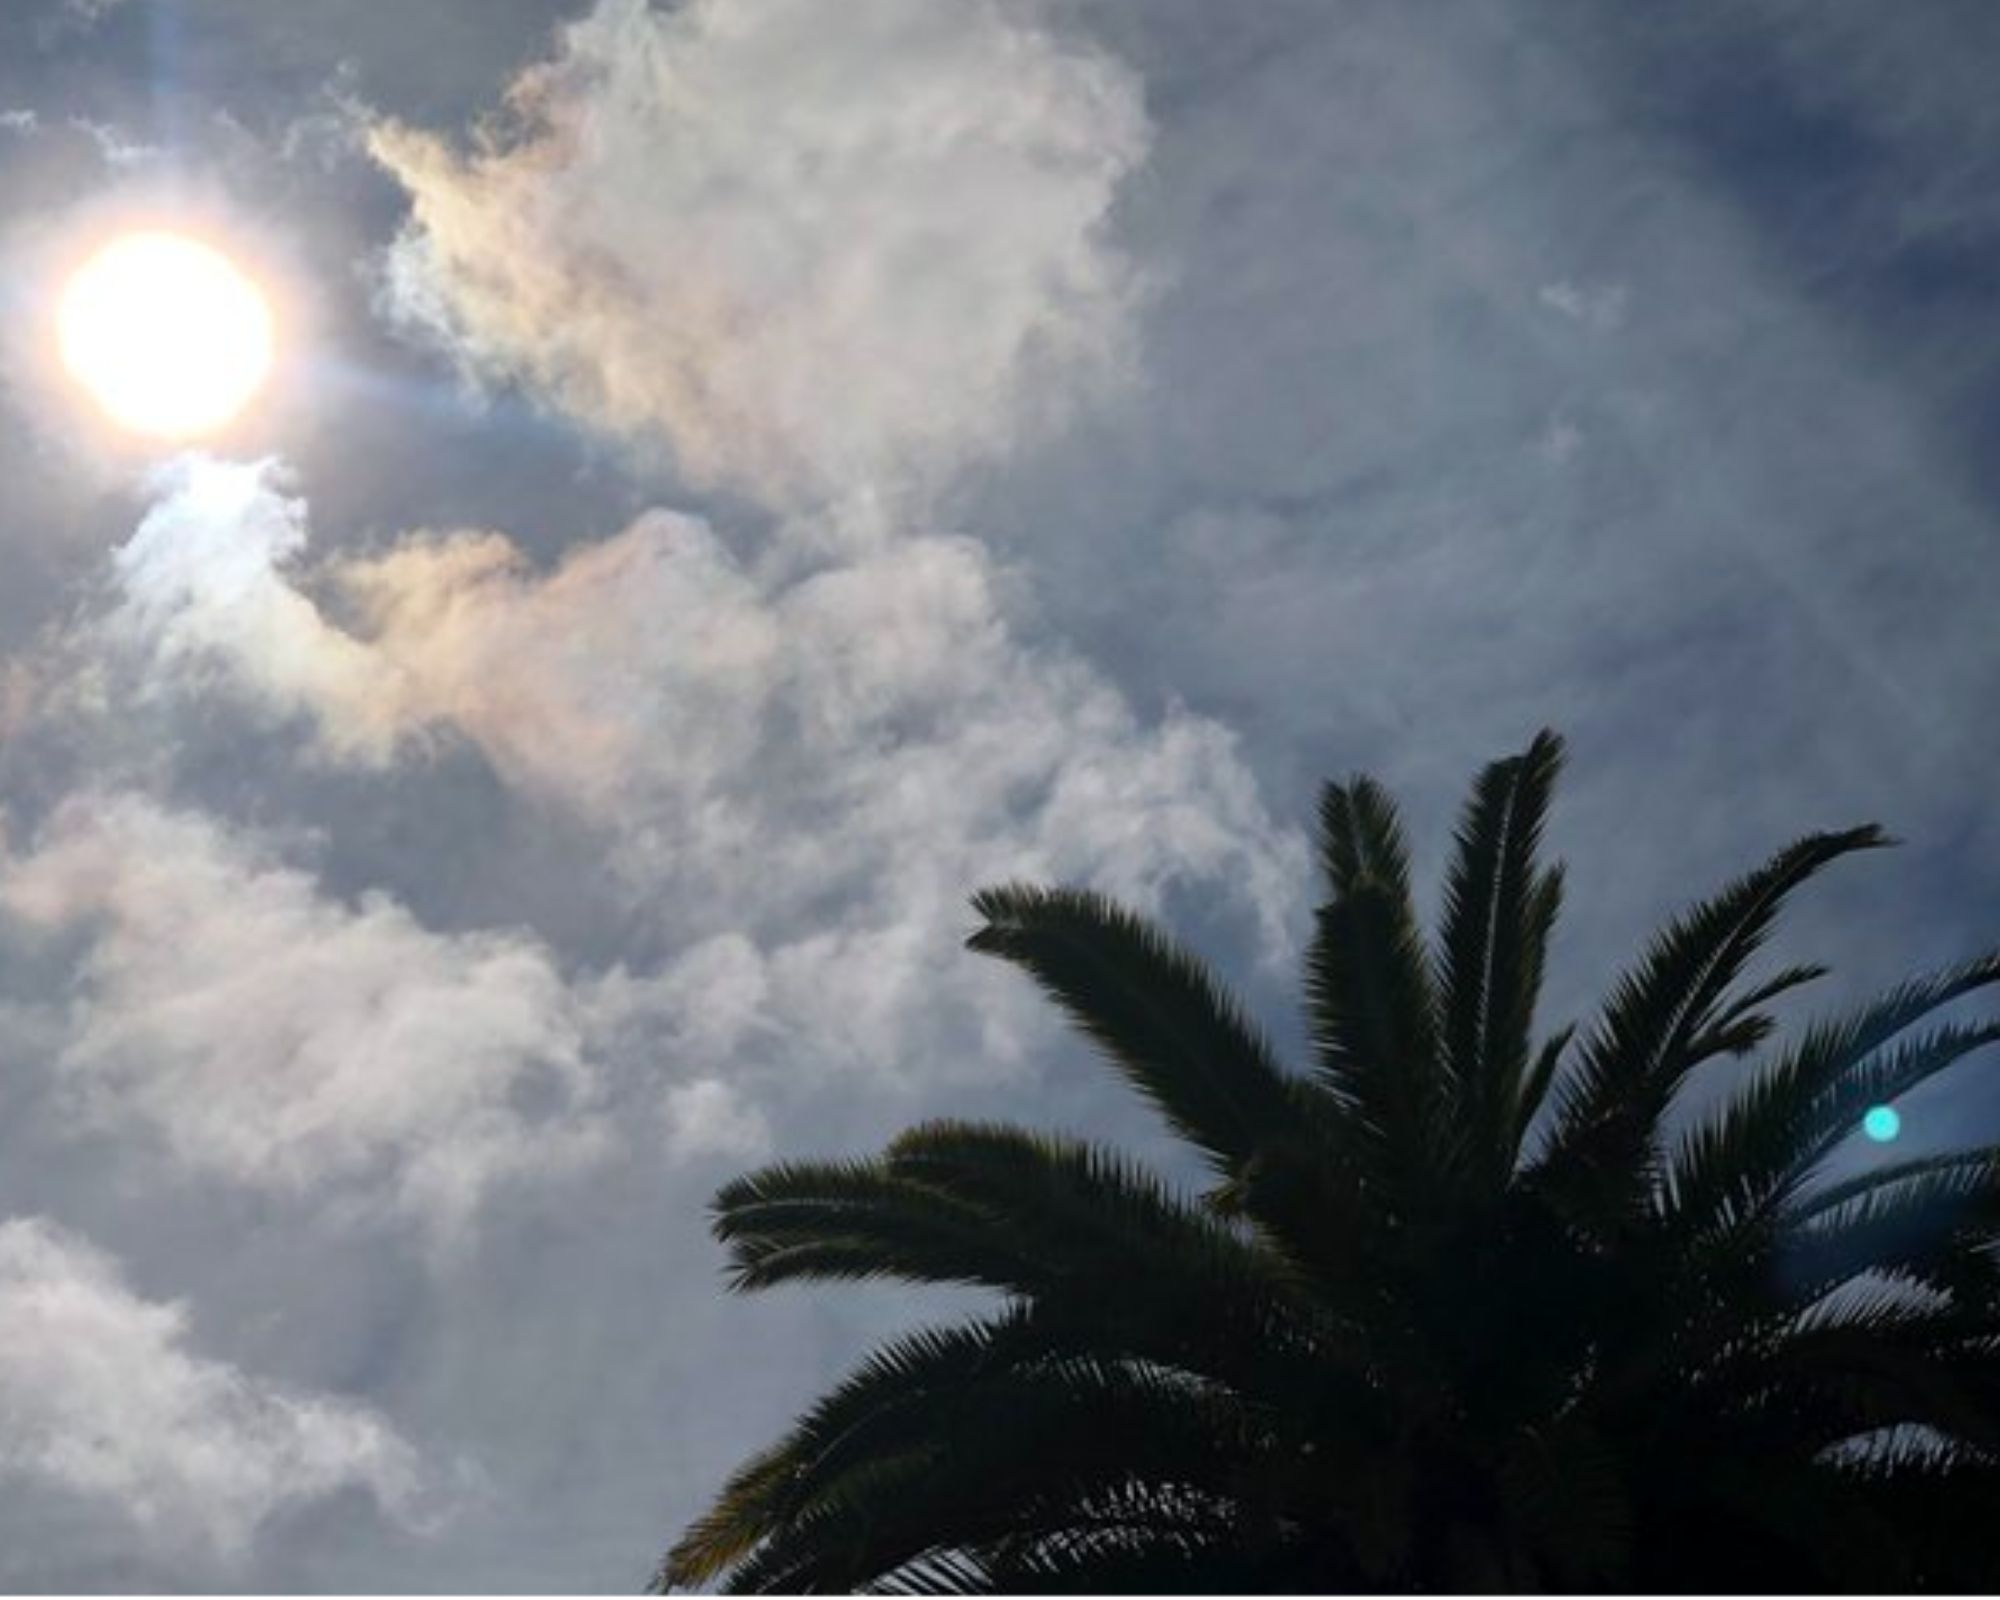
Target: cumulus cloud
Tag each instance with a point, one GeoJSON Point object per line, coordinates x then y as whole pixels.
{"type": "Point", "coordinates": [271, 1035]}
{"type": "Point", "coordinates": [692, 227]}
{"type": "Point", "coordinates": [640, 663]}
{"type": "Point", "coordinates": [101, 1398]}
{"type": "Point", "coordinates": [820, 761]}
{"type": "Point", "coordinates": [806, 776]}
{"type": "Point", "coordinates": [875, 717]}
{"type": "Point", "coordinates": [652, 676]}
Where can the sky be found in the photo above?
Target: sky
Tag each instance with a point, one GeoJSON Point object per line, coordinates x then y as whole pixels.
{"type": "Point", "coordinates": [739, 476]}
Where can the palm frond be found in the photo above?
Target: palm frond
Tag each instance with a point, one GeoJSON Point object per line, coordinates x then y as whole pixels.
{"type": "Point", "coordinates": [1535, 1088]}
{"type": "Point", "coordinates": [1934, 1231]}
{"type": "Point", "coordinates": [1778, 984]}
{"type": "Point", "coordinates": [1370, 1010]}
{"type": "Point", "coordinates": [1368, 996]}
{"type": "Point", "coordinates": [1763, 1143]}
{"type": "Point", "coordinates": [1124, 1560]}
{"type": "Point", "coordinates": [851, 1220]}
{"type": "Point", "coordinates": [1498, 910]}
{"type": "Point", "coordinates": [1156, 1011]}
{"type": "Point", "coordinates": [1973, 1169]}
{"type": "Point", "coordinates": [1021, 1451]}
{"type": "Point", "coordinates": [1601, 1154]}
{"type": "Point", "coordinates": [902, 1372]}
{"type": "Point", "coordinates": [1458, 1309]}
{"type": "Point", "coordinates": [946, 1572]}
{"type": "Point", "coordinates": [1131, 1257]}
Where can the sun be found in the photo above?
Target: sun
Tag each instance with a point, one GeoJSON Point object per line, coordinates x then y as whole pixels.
{"type": "Point", "coordinates": [168, 335]}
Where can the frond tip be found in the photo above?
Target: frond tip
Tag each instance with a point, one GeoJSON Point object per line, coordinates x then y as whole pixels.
{"type": "Point", "coordinates": [1159, 1015]}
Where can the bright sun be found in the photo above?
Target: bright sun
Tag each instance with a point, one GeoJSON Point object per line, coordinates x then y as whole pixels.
{"type": "Point", "coordinates": [169, 337]}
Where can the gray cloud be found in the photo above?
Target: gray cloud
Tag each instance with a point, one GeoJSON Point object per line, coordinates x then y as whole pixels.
{"type": "Point", "coordinates": [274, 1037]}
{"type": "Point", "coordinates": [817, 765]}
{"type": "Point", "coordinates": [100, 1398]}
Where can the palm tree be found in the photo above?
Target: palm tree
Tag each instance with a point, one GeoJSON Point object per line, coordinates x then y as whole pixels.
{"type": "Point", "coordinates": [1463, 1306]}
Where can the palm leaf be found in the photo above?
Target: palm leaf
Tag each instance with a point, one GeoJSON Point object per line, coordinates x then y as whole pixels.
{"type": "Point", "coordinates": [1026, 1450]}
{"type": "Point", "coordinates": [1368, 997]}
{"type": "Point", "coordinates": [1535, 1088]}
{"type": "Point", "coordinates": [821, 1221]}
{"type": "Point", "coordinates": [1602, 1152]}
{"type": "Point", "coordinates": [1498, 910]}
{"type": "Point", "coordinates": [1156, 1011]}
{"type": "Point", "coordinates": [1765, 1141]}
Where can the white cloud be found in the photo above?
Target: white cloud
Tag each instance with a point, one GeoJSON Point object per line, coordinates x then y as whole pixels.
{"type": "Point", "coordinates": [873, 718]}
{"type": "Point", "coordinates": [823, 764]}
{"type": "Point", "coordinates": [708, 1117]}
{"type": "Point", "coordinates": [639, 663]}
{"type": "Point", "coordinates": [116, 148]}
{"type": "Point", "coordinates": [274, 1036]}
{"type": "Point", "coordinates": [1325, 503]}
{"type": "Point", "coordinates": [203, 592]}
{"type": "Point", "coordinates": [100, 1397]}
{"type": "Point", "coordinates": [812, 253]}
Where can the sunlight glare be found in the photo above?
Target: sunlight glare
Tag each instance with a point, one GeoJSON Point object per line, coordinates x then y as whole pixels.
{"type": "Point", "coordinates": [168, 335]}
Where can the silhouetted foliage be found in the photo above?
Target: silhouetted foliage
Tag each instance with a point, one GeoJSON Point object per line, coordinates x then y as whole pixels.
{"type": "Point", "coordinates": [1465, 1307]}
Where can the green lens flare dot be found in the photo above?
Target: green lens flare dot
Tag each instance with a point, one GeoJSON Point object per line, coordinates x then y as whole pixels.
{"type": "Point", "coordinates": [1882, 1123]}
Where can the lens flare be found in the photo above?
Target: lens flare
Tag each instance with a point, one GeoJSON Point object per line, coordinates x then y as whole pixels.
{"type": "Point", "coordinates": [169, 337]}
{"type": "Point", "coordinates": [1882, 1123]}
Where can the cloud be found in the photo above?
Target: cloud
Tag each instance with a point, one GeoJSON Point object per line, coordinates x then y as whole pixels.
{"type": "Point", "coordinates": [1331, 510]}
{"type": "Point", "coordinates": [202, 591]}
{"type": "Point", "coordinates": [273, 1036]}
{"type": "Point", "coordinates": [638, 664]}
{"type": "Point", "coordinates": [875, 724]}
{"type": "Point", "coordinates": [691, 227]}
{"type": "Point", "coordinates": [115, 146]}
{"type": "Point", "coordinates": [1601, 309]}
{"type": "Point", "coordinates": [101, 1398]}
{"type": "Point", "coordinates": [818, 762]}
{"type": "Point", "coordinates": [707, 1117]}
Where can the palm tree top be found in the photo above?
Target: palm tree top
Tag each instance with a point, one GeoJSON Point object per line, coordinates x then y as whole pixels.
{"type": "Point", "coordinates": [1463, 1303]}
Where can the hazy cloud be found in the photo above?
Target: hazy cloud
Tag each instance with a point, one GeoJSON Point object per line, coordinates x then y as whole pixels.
{"type": "Point", "coordinates": [273, 1036]}
{"type": "Point", "coordinates": [1600, 308]}
{"type": "Point", "coordinates": [819, 763]}
{"type": "Point", "coordinates": [203, 594]}
{"type": "Point", "coordinates": [100, 1397]}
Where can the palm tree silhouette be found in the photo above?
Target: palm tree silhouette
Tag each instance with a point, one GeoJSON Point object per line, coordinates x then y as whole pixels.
{"type": "Point", "coordinates": [1465, 1306]}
